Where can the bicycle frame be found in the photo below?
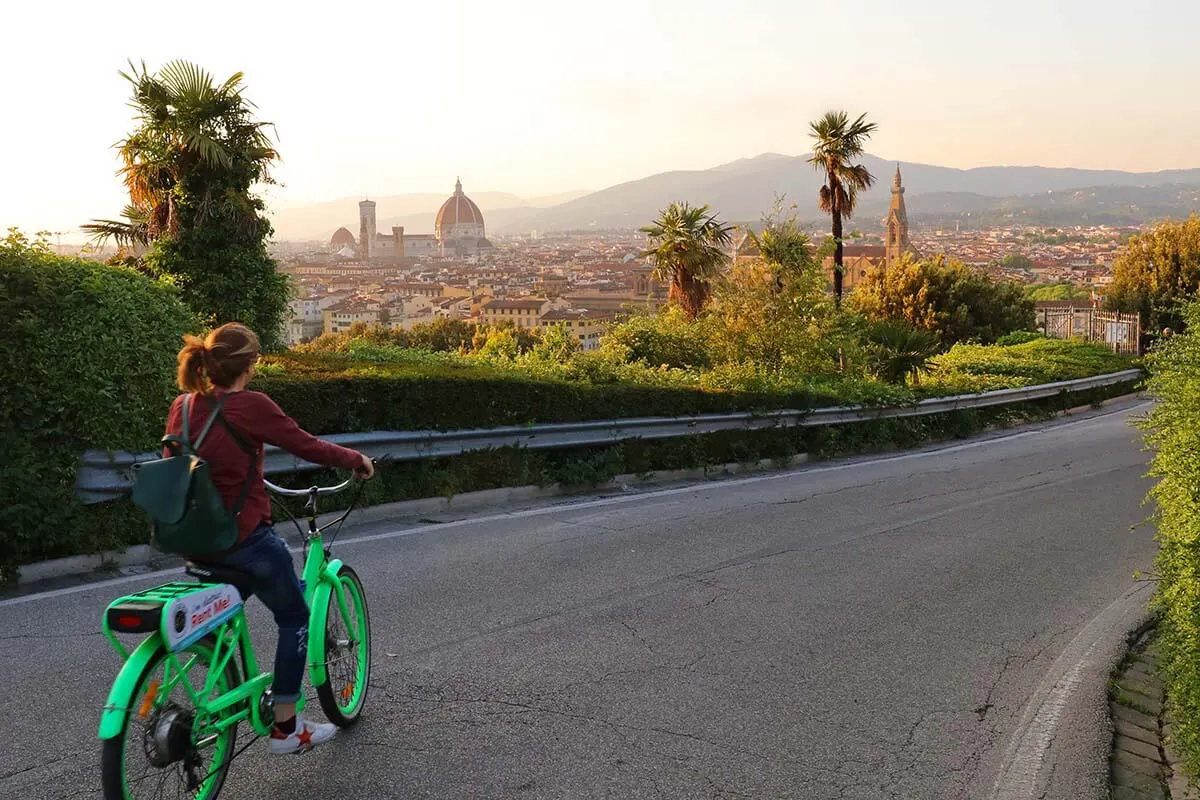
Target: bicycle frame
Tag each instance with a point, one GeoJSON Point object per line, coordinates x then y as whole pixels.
{"type": "Point", "coordinates": [232, 638]}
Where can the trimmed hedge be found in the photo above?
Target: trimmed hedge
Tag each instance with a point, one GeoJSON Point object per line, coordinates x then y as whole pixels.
{"type": "Point", "coordinates": [1173, 431]}
{"type": "Point", "coordinates": [88, 359]}
{"type": "Point", "coordinates": [333, 394]}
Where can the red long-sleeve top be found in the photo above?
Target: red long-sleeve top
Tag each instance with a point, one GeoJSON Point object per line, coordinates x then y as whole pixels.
{"type": "Point", "coordinates": [259, 420]}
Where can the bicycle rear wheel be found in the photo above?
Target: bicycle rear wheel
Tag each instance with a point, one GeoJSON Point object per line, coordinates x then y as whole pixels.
{"type": "Point", "coordinates": [347, 652]}
{"type": "Point", "coordinates": [169, 748]}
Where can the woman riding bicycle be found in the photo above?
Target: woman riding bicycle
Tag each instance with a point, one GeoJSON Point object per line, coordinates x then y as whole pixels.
{"type": "Point", "coordinates": [220, 366]}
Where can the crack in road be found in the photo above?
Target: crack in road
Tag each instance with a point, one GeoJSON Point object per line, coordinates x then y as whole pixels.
{"type": "Point", "coordinates": [49, 763]}
{"type": "Point", "coordinates": [831, 492]}
{"type": "Point", "coordinates": [637, 635]}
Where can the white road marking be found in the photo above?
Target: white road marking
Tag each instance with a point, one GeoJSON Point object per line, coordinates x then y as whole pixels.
{"type": "Point", "coordinates": [606, 501]}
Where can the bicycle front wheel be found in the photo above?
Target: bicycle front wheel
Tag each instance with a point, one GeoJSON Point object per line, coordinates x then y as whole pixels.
{"type": "Point", "coordinates": [347, 652]}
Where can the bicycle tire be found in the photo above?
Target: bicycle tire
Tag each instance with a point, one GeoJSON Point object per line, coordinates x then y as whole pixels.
{"type": "Point", "coordinates": [112, 758]}
{"type": "Point", "coordinates": [352, 690]}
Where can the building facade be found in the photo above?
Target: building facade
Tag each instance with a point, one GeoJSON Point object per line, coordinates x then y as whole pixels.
{"type": "Point", "coordinates": [584, 325]}
{"type": "Point", "coordinates": [458, 231]}
{"type": "Point", "coordinates": [524, 312]}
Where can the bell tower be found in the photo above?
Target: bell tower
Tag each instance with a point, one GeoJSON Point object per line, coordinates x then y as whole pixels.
{"type": "Point", "coordinates": [366, 230]}
{"type": "Point", "coordinates": [897, 224]}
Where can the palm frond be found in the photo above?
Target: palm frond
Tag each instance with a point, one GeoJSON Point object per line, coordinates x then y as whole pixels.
{"type": "Point", "coordinates": [859, 177]}
{"type": "Point", "coordinates": [825, 199]}
{"type": "Point", "coordinates": [187, 82]}
{"type": "Point", "coordinates": [211, 152]}
{"type": "Point", "coordinates": [123, 234]}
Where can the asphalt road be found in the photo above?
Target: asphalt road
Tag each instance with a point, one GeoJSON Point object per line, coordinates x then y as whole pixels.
{"type": "Point", "coordinates": [867, 629]}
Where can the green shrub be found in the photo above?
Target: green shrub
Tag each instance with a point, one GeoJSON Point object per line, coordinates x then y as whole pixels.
{"type": "Point", "coordinates": [88, 359]}
{"type": "Point", "coordinates": [1173, 431]}
{"type": "Point", "coordinates": [1039, 360]}
{"type": "Point", "coordinates": [667, 339]}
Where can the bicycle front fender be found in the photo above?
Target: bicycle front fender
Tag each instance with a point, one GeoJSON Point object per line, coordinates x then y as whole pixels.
{"type": "Point", "coordinates": [120, 697]}
{"type": "Point", "coordinates": [316, 622]}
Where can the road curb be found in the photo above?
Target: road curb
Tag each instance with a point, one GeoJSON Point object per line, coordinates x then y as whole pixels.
{"type": "Point", "coordinates": [1062, 742]}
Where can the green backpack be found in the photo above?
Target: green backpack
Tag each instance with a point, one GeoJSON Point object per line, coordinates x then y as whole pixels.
{"type": "Point", "coordinates": [177, 492]}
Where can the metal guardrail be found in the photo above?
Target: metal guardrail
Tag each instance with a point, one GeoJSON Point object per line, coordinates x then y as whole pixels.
{"type": "Point", "coordinates": [105, 475]}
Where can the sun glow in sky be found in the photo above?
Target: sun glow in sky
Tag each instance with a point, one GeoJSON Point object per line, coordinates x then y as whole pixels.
{"type": "Point", "coordinates": [536, 97]}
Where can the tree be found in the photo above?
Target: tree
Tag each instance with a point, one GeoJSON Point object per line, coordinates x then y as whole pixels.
{"type": "Point", "coordinates": [556, 345]}
{"type": "Point", "coordinates": [688, 248]}
{"type": "Point", "coordinates": [190, 167]}
{"type": "Point", "coordinates": [1016, 261]}
{"type": "Point", "coordinates": [523, 338]}
{"type": "Point", "coordinates": [442, 334]}
{"type": "Point", "coordinates": [838, 143]}
{"type": "Point", "coordinates": [773, 312]}
{"type": "Point", "coordinates": [1158, 270]}
{"type": "Point", "coordinates": [945, 298]}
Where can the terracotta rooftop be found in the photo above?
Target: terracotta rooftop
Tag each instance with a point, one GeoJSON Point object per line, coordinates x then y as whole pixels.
{"type": "Point", "coordinates": [863, 250]}
{"type": "Point", "coordinates": [530, 302]}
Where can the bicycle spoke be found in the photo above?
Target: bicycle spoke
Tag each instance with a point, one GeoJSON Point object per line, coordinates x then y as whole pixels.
{"type": "Point", "coordinates": [183, 693]}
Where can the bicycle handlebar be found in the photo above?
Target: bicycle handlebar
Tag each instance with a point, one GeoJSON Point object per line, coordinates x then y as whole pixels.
{"type": "Point", "coordinates": [308, 492]}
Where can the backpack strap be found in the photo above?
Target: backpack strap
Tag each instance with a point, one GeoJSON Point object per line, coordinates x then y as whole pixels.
{"type": "Point", "coordinates": [207, 425]}
{"type": "Point", "coordinates": [251, 453]}
{"type": "Point", "coordinates": [187, 412]}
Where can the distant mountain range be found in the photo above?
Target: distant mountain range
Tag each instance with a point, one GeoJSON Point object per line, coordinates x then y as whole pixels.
{"type": "Point", "coordinates": [741, 190]}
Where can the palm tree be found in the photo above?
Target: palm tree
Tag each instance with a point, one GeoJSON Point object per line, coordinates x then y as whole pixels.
{"type": "Point", "coordinates": [195, 141]}
{"type": "Point", "coordinates": [839, 142]}
{"type": "Point", "coordinates": [900, 349]}
{"type": "Point", "coordinates": [688, 248]}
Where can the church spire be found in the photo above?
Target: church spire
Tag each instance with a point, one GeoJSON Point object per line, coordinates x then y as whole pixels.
{"type": "Point", "coordinates": [458, 185]}
{"type": "Point", "coordinates": [897, 223]}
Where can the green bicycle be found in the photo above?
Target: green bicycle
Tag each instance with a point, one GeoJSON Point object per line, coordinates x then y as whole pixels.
{"type": "Point", "coordinates": [170, 722]}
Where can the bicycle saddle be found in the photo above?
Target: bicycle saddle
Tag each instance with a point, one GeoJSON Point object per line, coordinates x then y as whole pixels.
{"type": "Point", "coordinates": [221, 573]}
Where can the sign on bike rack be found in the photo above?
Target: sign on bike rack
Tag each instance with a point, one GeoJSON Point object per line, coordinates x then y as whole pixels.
{"type": "Point", "coordinates": [189, 617]}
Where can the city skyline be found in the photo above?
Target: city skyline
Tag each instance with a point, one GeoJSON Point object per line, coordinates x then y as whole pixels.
{"type": "Point", "coordinates": [535, 99]}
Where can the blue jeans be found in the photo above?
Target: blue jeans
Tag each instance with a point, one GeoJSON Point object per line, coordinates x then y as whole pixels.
{"type": "Point", "coordinates": [265, 556]}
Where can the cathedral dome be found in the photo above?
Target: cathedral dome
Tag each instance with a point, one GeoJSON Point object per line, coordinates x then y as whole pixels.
{"type": "Point", "coordinates": [341, 238]}
{"type": "Point", "coordinates": [458, 217]}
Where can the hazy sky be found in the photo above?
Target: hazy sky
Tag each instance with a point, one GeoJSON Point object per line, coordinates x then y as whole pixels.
{"type": "Point", "coordinates": [541, 96]}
